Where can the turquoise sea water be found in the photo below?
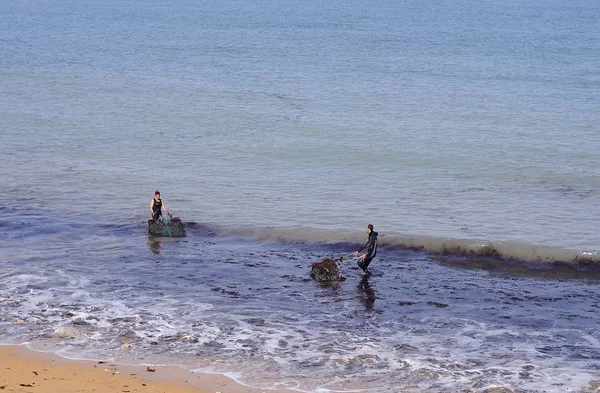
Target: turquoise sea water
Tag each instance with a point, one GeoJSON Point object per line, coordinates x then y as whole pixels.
{"type": "Point", "coordinates": [461, 127]}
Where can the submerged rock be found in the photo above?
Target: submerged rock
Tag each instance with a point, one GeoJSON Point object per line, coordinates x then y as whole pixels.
{"type": "Point", "coordinates": [67, 332]}
{"type": "Point", "coordinates": [169, 228]}
{"type": "Point", "coordinates": [498, 389]}
{"type": "Point", "coordinates": [327, 270]}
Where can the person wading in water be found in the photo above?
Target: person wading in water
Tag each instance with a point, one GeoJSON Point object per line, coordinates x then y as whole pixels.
{"type": "Point", "coordinates": [371, 245]}
{"type": "Point", "coordinates": [157, 205]}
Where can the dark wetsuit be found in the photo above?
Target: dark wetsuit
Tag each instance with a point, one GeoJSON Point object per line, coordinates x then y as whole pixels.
{"type": "Point", "coordinates": [371, 245]}
{"type": "Point", "coordinates": [157, 209]}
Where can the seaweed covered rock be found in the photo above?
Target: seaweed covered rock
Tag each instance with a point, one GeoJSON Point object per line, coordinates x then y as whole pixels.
{"type": "Point", "coordinates": [172, 227]}
{"type": "Point", "coordinates": [327, 270]}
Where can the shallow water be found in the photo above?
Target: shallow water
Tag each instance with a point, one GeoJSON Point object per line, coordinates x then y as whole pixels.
{"type": "Point", "coordinates": [248, 308]}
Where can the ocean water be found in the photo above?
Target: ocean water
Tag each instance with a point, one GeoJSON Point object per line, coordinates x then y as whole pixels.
{"type": "Point", "coordinates": [467, 133]}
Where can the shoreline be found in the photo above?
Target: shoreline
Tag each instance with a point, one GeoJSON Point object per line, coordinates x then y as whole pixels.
{"type": "Point", "coordinates": [25, 370]}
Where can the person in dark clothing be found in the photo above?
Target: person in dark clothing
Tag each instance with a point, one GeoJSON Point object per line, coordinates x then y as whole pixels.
{"type": "Point", "coordinates": [157, 205]}
{"type": "Point", "coordinates": [371, 246]}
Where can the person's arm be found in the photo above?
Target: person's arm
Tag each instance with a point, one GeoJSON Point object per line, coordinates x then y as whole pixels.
{"type": "Point", "coordinates": [152, 207]}
{"type": "Point", "coordinates": [165, 207]}
{"type": "Point", "coordinates": [361, 248]}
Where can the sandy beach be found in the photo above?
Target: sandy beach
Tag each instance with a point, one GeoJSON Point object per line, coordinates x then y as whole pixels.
{"type": "Point", "coordinates": [24, 370]}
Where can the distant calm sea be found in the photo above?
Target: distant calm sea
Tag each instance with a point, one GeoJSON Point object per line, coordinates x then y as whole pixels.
{"type": "Point", "coordinates": [277, 130]}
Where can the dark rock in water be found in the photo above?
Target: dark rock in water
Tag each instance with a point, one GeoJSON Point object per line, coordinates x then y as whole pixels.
{"type": "Point", "coordinates": [170, 228]}
{"type": "Point", "coordinates": [438, 305]}
{"type": "Point", "coordinates": [326, 270]}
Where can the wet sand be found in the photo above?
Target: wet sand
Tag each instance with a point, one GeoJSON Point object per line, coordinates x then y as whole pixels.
{"type": "Point", "coordinates": [24, 370]}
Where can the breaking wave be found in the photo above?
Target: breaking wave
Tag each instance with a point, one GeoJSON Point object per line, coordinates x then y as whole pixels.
{"type": "Point", "coordinates": [488, 249]}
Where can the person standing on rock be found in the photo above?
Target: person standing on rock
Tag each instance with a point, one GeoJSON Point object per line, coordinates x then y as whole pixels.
{"type": "Point", "coordinates": [371, 246]}
{"type": "Point", "coordinates": [157, 205]}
